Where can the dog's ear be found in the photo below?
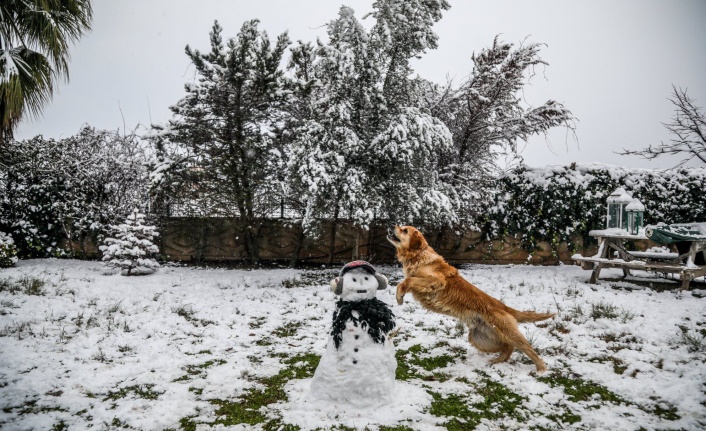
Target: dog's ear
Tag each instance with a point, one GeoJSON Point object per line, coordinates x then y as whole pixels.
{"type": "Point", "coordinates": [382, 281]}
{"type": "Point", "coordinates": [337, 285]}
{"type": "Point", "coordinates": [416, 240]}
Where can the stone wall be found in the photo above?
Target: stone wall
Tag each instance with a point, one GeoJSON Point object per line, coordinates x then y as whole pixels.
{"type": "Point", "coordinates": [216, 239]}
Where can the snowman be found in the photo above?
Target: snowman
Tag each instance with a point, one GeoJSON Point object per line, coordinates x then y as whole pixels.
{"type": "Point", "coordinates": [358, 367]}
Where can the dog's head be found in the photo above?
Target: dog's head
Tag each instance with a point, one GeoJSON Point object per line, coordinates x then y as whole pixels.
{"type": "Point", "coordinates": [406, 238]}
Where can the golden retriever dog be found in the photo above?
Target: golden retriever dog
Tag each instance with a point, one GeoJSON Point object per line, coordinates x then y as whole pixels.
{"type": "Point", "coordinates": [439, 287]}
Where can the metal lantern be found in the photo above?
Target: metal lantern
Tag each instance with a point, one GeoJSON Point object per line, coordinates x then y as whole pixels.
{"type": "Point", "coordinates": [636, 215]}
{"type": "Point", "coordinates": [617, 214]}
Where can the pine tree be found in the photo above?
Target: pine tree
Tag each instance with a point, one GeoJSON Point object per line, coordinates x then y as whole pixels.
{"type": "Point", "coordinates": [222, 135]}
{"type": "Point", "coordinates": [133, 249]}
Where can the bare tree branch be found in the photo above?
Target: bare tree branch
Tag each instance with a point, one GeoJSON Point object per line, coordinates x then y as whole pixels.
{"type": "Point", "coordinates": [688, 127]}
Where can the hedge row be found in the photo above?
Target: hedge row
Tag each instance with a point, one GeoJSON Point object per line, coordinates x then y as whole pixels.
{"type": "Point", "coordinates": [560, 204]}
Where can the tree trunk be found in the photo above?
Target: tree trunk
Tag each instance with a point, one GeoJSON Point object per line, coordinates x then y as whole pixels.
{"type": "Point", "coordinates": [202, 241]}
{"type": "Point", "coordinates": [439, 237]}
{"type": "Point", "coordinates": [297, 247]}
{"type": "Point", "coordinates": [332, 241]}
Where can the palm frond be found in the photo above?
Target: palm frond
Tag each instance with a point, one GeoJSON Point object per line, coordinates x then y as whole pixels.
{"type": "Point", "coordinates": [35, 36]}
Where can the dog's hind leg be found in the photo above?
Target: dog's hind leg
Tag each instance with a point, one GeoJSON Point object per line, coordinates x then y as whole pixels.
{"type": "Point", "coordinates": [508, 331]}
{"type": "Point", "coordinates": [505, 354]}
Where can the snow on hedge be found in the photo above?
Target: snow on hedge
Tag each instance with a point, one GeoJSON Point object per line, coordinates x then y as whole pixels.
{"type": "Point", "coordinates": [556, 202]}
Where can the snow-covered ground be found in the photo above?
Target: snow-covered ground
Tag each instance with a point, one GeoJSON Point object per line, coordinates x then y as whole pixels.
{"type": "Point", "coordinates": [234, 349]}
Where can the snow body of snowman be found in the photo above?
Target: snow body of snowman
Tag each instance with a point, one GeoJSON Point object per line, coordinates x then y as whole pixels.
{"type": "Point", "coordinates": [358, 367]}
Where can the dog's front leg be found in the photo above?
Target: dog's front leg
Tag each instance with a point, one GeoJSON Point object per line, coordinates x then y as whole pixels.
{"type": "Point", "coordinates": [402, 289]}
{"type": "Point", "coordinates": [417, 284]}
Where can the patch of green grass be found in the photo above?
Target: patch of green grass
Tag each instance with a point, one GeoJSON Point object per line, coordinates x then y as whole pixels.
{"type": "Point", "coordinates": [620, 341]}
{"type": "Point", "coordinates": [9, 285]}
{"type": "Point", "coordinates": [287, 330]}
{"type": "Point", "coordinates": [246, 409]}
{"type": "Point", "coordinates": [188, 424]}
{"type": "Point", "coordinates": [187, 312]}
{"type": "Point", "coordinates": [200, 352]}
{"type": "Point", "coordinates": [117, 423]}
{"type": "Point", "coordinates": [264, 341]}
{"type": "Point", "coordinates": [140, 391]}
{"type": "Point", "coordinates": [694, 340]}
{"type": "Point", "coordinates": [498, 402]}
{"type": "Point", "coordinates": [60, 426]}
{"type": "Point", "coordinates": [32, 407]}
{"type": "Point", "coordinates": [257, 322]}
{"type": "Point", "coordinates": [566, 418]}
{"type": "Point", "coordinates": [432, 362]}
{"type": "Point", "coordinates": [619, 366]}
{"type": "Point", "coordinates": [32, 285]}
{"type": "Point", "coordinates": [199, 369]}
{"type": "Point", "coordinates": [396, 428]}
{"type": "Point", "coordinates": [607, 310]}
{"type": "Point", "coordinates": [580, 390]}
{"type": "Point", "coordinates": [603, 309]}
{"type": "Point", "coordinates": [25, 284]}
{"type": "Point", "coordinates": [409, 362]}
{"type": "Point", "coordinates": [662, 409]}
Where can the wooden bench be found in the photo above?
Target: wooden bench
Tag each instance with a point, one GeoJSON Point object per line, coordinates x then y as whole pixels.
{"type": "Point", "coordinates": [611, 243]}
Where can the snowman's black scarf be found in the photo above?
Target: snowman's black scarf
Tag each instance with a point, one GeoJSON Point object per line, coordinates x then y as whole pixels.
{"type": "Point", "coordinates": [373, 314]}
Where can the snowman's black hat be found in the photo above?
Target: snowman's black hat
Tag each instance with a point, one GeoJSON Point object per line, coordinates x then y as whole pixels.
{"type": "Point", "coordinates": [337, 283]}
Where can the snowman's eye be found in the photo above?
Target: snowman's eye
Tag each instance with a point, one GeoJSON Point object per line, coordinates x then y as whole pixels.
{"type": "Point", "coordinates": [366, 278]}
{"type": "Point", "coordinates": [354, 279]}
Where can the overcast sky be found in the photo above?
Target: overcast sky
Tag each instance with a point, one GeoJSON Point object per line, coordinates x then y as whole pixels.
{"type": "Point", "coordinates": [611, 62]}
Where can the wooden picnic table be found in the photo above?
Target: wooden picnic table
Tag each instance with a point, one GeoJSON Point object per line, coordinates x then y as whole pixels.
{"type": "Point", "coordinates": [612, 254]}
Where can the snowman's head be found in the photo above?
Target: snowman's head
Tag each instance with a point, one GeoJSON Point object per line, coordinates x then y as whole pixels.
{"type": "Point", "coordinates": [358, 281]}
{"type": "Point", "coordinates": [358, 284]}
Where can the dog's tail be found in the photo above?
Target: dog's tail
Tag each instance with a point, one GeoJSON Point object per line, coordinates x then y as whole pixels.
{"type": "Point", "coordinates": [529, 316]}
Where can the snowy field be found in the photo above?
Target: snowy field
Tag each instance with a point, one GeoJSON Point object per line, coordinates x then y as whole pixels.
{"type": "Point", "coordinates": [193, 349]}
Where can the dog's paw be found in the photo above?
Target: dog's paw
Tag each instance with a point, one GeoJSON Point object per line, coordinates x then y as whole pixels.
{"type": "Point", "coordinates": [540, 370]}
{"type": "Point", "coordinates": [400, 293]}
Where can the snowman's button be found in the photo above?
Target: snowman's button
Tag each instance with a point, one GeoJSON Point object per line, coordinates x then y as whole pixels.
{"type": "Point", "coordinates": [355, 350]}
{"type": "Point", "coordinates": [354, 361]}
{"type": "Point", "coordinates": [356, 337]}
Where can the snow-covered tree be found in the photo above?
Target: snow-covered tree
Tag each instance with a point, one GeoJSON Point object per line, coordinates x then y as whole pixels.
{"type": "Point", "coordinates": [688, 129]}
{"type": "Point", "coordinates": [68, 189]}
{"type": "Point", "coordinates": [342, 160]}
{"type": "Point", "coordinates": [220, 146]}
{"type": "Point", "coordinates": [408, 159]}
{"type": "Point", "coordinates": [488, 117]}
{"type": "Point", "coordinates": [8, 251]}
{"type": "Point", "coordinates": [132, 249]}
{"type": "Point", "coordinates": [402, 32]}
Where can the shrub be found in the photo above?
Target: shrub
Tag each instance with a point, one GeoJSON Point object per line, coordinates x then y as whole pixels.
{"type": "Point", "coordinates": [133, 248]}
{"type": "Point", "coordinates": [8, 251]}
